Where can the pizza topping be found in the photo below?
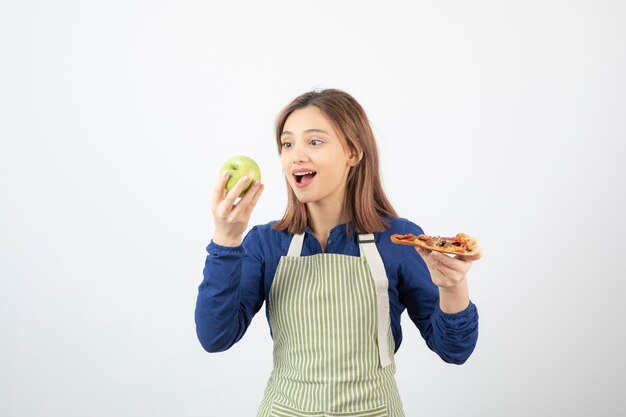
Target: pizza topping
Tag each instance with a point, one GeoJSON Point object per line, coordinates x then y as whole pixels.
{"type": "Point", "coordinates": [460, 244]}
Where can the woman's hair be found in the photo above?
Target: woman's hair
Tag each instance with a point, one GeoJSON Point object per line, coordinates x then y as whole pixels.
{"type": "Point", "coordinates": [365, 201]}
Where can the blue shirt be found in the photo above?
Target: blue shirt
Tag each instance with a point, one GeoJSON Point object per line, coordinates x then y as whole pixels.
{"type": "Point", "coordinates": [237, 281]}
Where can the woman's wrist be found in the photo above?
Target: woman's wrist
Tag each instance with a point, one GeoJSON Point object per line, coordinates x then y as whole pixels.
{"type": "Point", "coordinates": [224, 240]}
{"type": "Point", "coordinates": [454, 299]}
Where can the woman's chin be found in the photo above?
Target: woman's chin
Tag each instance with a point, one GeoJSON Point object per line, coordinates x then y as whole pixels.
{"type": "Point", "coordinates": [304, 200]}
{"type": "Point", "coordinates": [302, 197]}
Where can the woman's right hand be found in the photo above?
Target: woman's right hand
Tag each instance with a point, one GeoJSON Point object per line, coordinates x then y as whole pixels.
{"type": "Point", "coordinates": [231, 219]}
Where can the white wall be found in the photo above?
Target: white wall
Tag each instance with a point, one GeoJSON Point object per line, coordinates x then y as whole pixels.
{"type": "Point", "coordinates": [504, 119]}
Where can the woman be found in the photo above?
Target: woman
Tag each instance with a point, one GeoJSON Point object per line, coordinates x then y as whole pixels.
{"type": "Point", "coordinates": [333, 283]}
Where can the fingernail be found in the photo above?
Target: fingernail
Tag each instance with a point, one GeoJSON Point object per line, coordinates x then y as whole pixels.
{"type": "Point", "coordinates": [225, 174]}
{"type": "Point", "coordinates": [257, 182]}
{"type": "Point", "coordinates": [245, 179]}
{"type": "Point", "coordinates": [435, 254]}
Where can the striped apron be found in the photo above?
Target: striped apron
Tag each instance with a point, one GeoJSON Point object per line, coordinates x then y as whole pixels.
{"type": "Point", "coordinates": [333, 345]}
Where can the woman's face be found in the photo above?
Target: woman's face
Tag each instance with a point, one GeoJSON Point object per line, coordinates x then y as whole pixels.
{"type": "Point", "coordinates": [313, 157]}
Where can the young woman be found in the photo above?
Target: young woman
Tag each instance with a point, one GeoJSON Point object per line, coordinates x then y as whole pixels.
{"type": "Point", "coordinates": [333, 284]}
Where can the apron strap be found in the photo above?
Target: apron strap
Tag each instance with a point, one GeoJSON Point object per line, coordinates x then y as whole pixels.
{"type": "Point", "coordinates": [367, 245]}
{"type": "Point", "coordinates": [295, 247]}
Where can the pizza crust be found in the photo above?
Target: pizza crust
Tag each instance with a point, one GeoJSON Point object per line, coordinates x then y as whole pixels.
{"type": "Point", "coordinates": [468, 246]}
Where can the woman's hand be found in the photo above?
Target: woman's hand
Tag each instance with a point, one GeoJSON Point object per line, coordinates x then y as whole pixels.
{"type": "Point", "coordinates": [450, 275]}
{"type": "Point", "coordinates": [231, 219]}
{"type": "Point", "coordinates": [446, 271]}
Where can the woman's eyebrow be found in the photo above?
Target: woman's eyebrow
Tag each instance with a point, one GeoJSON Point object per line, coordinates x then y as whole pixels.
{"type": "Point", "coordinates": [286, 132]}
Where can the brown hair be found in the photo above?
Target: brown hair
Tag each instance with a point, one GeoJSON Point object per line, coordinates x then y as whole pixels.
{"type": "Point", "coordinates": [365, 201]}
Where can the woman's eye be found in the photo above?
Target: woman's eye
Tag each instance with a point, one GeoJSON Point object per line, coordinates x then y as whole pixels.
{"type": "Point", "coordinates": [286, 145]}
{"type": "Point", "coordinates": [315, 142]}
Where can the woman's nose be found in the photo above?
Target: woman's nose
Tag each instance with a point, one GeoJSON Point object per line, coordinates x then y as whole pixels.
{"type": "Point", "coordinates": [298, 154]}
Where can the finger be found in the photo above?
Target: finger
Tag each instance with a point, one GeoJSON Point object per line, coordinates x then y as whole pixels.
{"type": "Point", "coordinates": [234, 193]}
{"type": "Point", "coordinates": [244, 204]}
{"type": "Point", "coordinates": [434, 259]}
{"type": "Point", "coordinates": [255, 198]}
{"type": "Point", "coordinates": [445, 277]}
{"type": "Point", "coordinates": [220, 185]}
{"type": "Point", "coordinates": [447, 272]}
{"type": "Point", "coordinates": [451, 262]}
{"type": "Point", "coordinates": [444, 269]}
{"type": "Point", "coordinates": [425, 254]}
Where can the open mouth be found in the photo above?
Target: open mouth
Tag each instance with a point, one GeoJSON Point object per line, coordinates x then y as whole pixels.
{"type": "Point", "coordinates": [304, 178]}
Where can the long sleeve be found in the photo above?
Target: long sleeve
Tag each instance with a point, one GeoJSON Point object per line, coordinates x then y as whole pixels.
{"type": "Point", "coordinates": [452, 336]}
{"type": "Point", "coordinates": [230, 294]}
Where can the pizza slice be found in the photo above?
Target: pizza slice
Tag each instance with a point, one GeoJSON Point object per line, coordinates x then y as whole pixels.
{"type": "Point", "coordinates": [461, 244]}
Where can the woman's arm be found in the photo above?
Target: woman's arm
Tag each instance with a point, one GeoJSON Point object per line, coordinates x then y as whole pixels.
{"type": "Point", "coordinates": [232, 289]}
{"type": "Point", "coordinates": [230, 294]}
{"type": "Point", "coordinates": [446, 318]}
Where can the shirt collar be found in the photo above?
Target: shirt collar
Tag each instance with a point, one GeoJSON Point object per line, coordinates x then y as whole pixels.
{"type": "Point", "coordinates": [335, 232]}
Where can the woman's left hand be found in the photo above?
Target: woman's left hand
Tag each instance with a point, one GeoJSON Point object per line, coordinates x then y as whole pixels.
{"type": "Point", "coordinates": [446, 272]}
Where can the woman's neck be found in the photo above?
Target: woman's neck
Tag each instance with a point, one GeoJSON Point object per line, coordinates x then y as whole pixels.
{"type": "Point", "coordinates": [322, 219]}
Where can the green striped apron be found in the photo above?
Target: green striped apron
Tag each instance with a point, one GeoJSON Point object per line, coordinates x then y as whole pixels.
{"type": "Point", "coordinates": [333, 345]}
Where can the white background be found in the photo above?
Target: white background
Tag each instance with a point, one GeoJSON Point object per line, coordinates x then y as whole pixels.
{"type": "Point", "coordinates": [503, 119]}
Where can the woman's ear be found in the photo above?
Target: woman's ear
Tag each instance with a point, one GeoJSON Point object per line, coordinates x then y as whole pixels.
{"type": "Point", "coordinates": [355, 157]}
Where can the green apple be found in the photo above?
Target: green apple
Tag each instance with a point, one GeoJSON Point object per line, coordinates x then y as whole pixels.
{"type": "Point", "coordinates": [238, 167]}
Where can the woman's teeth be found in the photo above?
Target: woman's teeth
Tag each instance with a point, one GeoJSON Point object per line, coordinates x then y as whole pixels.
{"type": "Point", "coordinates": [300, 175]}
